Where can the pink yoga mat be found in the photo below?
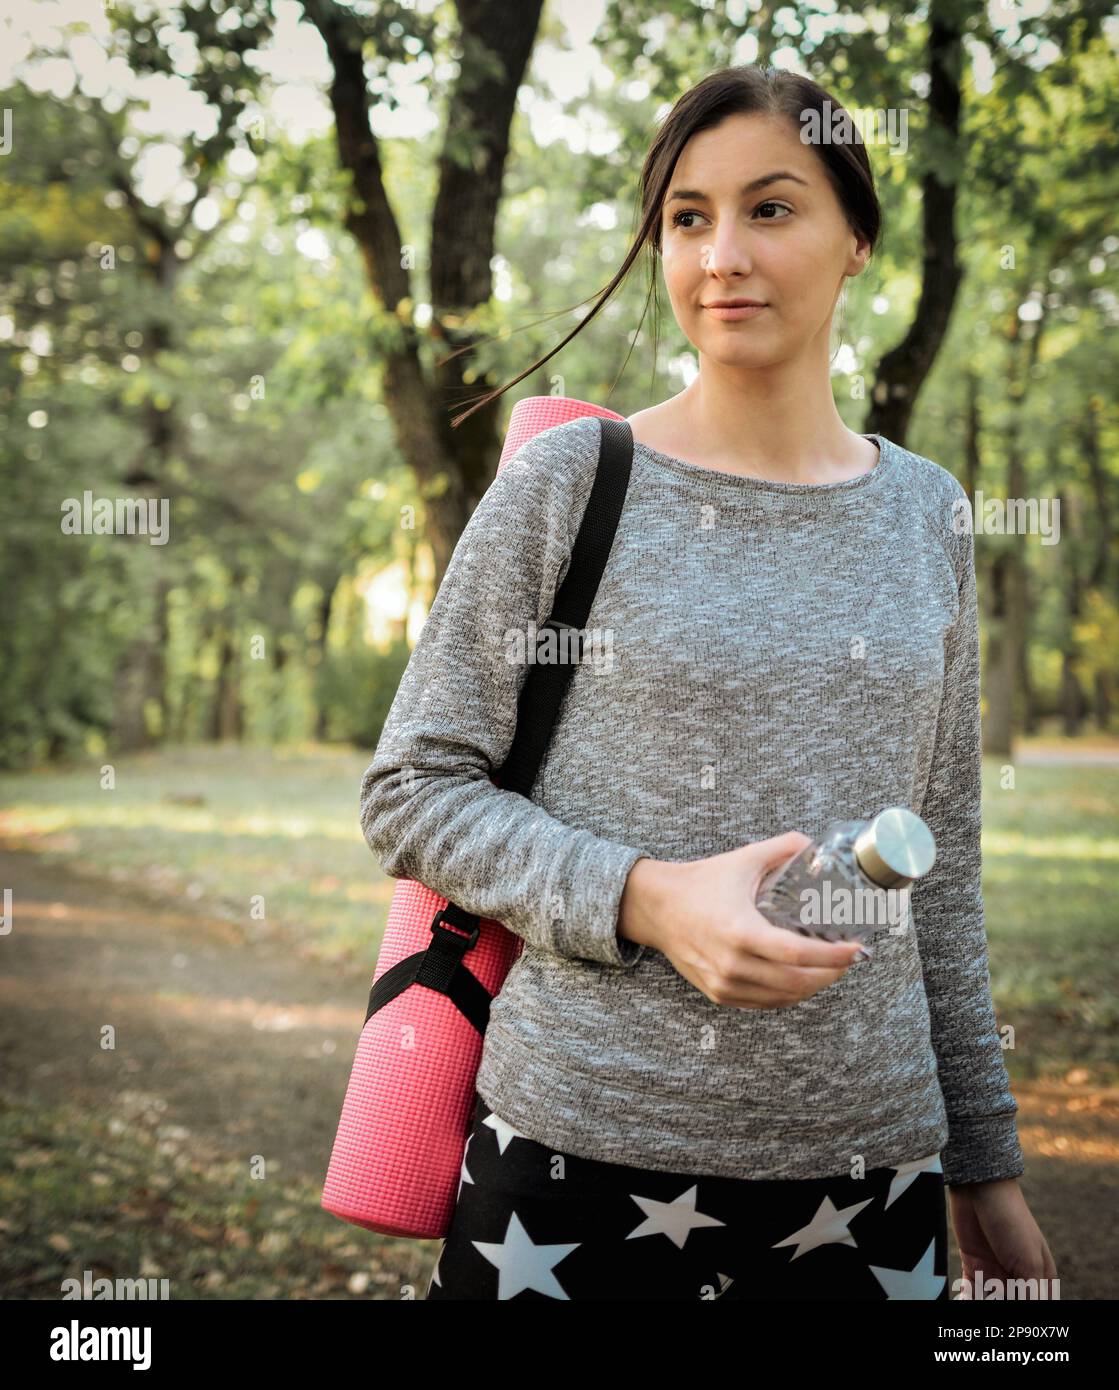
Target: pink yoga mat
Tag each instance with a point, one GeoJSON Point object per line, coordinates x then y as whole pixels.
{"type": "Point", "coordinates": [397, 1155]}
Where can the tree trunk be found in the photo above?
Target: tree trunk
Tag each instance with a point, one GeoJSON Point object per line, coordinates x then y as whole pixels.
{"type": "Point", "coordinates": [227, 714]}
{"type": "Point", "coordinates": [139, 677]}
{"type": "Point", "coordinates": [1009, 614]}
{"type": "Point", "coordinates": [141, 670]}
{"type": "Point", "coordinates": [972, 433]}
{"type": "Point", "coordinates": [1027, 706]}
{"type": "Point", "coordinates": [998, 678]}
{"type": "Point", "coordinates": [904, 369]}
{"type": "Point", "coordinates": [1072, 697]}
{"type": "Point", "coordinates": [326, 606]}
{"type": "Point", "coordinates": [1101, 494]}
{"type": "Point", "coordinates": [1072, 694]}
{"type": "Point", "coordinates": [452, 467]}
{"type": "Point", "coordinates": [1103, 702]}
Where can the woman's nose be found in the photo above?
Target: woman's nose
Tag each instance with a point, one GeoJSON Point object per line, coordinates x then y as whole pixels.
{"type": "Point", "coordinates": [726, 252]}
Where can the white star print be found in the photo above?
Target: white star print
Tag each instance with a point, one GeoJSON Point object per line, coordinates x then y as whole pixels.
{"type": "Point", "coordinates": [676, 1220]}
{"type": "Point", "coordinates": [907, 1173]}
{"type": "Point", "coordinates": [918, 1282]}
{"type": "Point", "coordinates": [504, 1131]}
{"type": "Point", "coordinates": [827, 1227]}
{"type": "Point", "coordinates": [523, 1265]}
{"type": "Point", "coordinates": [435, 1272]}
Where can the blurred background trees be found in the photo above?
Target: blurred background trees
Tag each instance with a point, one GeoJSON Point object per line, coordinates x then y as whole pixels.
{"type": "Point", "coordinates": [240, 242]}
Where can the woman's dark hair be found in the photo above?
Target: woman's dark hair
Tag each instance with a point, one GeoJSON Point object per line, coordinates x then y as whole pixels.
{"type": "Point", "coordinates": [751, 89]}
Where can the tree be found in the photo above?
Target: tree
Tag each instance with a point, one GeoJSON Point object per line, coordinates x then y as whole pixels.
{"type": "Point", "coordinates": [493, 48]}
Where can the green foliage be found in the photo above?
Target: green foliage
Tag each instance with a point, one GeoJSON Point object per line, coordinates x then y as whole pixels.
{"type": "Point", "coordinates": [356, 687]}
{"type": "Point", "coordinates": [237, 372]}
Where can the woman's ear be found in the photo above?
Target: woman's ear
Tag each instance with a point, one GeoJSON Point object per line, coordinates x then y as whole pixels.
{"type": "Point", "coordinates": [856, 262]}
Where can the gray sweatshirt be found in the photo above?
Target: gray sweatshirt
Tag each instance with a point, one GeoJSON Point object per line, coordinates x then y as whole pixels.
{"type": "Point", "coordinates": [763, 657]}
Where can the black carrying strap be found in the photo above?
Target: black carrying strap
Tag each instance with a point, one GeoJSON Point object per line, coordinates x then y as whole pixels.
{"type": "Point", "coordinates": [455, 931]}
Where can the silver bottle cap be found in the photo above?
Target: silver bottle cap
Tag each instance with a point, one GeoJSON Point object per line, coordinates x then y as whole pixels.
{"type": "Point", "coordinates": [895, 847]}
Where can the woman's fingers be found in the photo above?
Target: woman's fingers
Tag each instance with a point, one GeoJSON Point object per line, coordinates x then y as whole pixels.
{"type": "Point", "coordinates": [780, 946]}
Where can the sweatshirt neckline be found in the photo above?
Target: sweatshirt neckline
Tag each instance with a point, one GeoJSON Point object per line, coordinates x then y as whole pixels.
{"type": "Point", "coordinates": [744, 482]}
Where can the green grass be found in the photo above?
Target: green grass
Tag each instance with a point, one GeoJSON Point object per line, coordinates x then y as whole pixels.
{"type": "Point", "coordinates": [280, 824]}
{"type": "Point", "coordinates": [1051, 892]}
{"type": "Point", "coordinates": [127, 1197]}
{"type": "Point", "coordinates": [284, 824]}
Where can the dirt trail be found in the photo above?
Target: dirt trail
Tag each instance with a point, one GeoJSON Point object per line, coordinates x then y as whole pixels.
{"type": "Point", "coordinates": [249, 1043]}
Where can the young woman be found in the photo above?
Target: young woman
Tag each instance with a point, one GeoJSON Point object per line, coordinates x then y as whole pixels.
{"type": "Point", "coordinates": [677, 1099]}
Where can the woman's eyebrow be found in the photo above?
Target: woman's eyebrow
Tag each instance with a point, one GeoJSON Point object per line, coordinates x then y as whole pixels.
{"type": "Point", "coordinates": [693, 194]}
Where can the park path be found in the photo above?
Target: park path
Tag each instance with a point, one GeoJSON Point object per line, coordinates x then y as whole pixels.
{"type": "Point", "coordinates": [246, 1042]}
{"type": "Point", "coordinates": [250, 1043]}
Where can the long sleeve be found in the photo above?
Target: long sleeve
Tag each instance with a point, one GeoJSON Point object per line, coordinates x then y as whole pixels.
{"type": "Point", "coordinates": [429, 810]}
{"type": "Point", "coordinates": [983, 1140]}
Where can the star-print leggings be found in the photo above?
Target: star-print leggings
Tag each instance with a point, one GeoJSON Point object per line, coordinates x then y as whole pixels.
{"type": "Point", "coordinates": [531, 1222]}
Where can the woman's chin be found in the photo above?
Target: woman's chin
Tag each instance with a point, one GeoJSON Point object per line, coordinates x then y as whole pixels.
{"type": "Point", "coordinates": [746, 355]}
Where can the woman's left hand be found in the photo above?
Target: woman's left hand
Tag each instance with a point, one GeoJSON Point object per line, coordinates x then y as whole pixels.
{"type": "Point", "coordinates": [998, 1237]}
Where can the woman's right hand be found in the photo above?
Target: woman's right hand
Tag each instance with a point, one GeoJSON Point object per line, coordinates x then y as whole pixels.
{"type": "Point", "coordinates": [700, 914]}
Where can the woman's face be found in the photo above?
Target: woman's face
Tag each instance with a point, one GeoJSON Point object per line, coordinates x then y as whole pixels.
{"type": "Point", "coordinates": [785, 243]}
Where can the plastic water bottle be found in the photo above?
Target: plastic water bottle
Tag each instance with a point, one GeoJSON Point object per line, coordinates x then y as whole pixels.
{"type": "Point", "coordinates": [855, 882]}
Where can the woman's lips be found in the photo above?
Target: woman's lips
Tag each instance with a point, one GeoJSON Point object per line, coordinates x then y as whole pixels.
{"type": "Point", "coordinates": [740, 311]}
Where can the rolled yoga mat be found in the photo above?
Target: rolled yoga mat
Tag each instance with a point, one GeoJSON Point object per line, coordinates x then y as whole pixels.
{"type": "Point", "coordinates": [397, 1156]}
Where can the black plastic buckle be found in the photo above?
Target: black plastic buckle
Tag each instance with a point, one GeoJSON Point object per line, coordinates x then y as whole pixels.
{"type": "Point", "coordinates": [459, 936]}
{"type": "Point", "coordinates": [559, 624]}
